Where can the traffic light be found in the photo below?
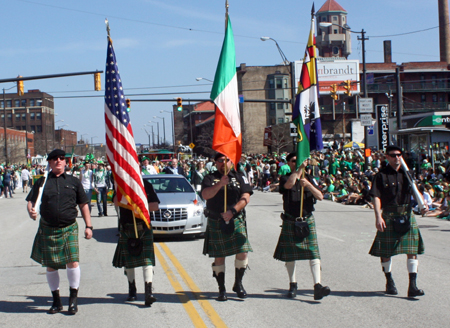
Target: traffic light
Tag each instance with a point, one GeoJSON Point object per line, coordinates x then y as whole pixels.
{"type": "Point", "coordinates": [97, 82]}
{"type": "Point", "coordinates": [333, 91]}
{"type": "Point", "coordinates": [20, 91]}
{"type": "Point", "coordinates": [348, 87]}
{"type": "Point", "coordinates": [179, 104]}
{"type": "Point", "coordinates": [128, 104]}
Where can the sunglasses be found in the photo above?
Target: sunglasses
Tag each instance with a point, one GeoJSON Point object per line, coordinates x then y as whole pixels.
{"type": "Point", "coordinates": [222, 160]}
{"type": "Point", "coordinates": [293, 161]}
{"type": "Point", "coordinates": [394, 155]}
{"type": "Point", "coordinates": [61, 158]}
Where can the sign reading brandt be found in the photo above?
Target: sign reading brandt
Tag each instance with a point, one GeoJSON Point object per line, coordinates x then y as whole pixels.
{"type": "Point", "coordinates": [383, 126]}
{"type": "Point", "coordinates": [333, 72]}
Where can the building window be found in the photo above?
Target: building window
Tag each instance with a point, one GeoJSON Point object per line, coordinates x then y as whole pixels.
{"type": "Point", "coordinates": [24, 102]}
{"type": "Point", "coordinates": [38, 116]}
{"type": "Point", "coordinates": [32, 116]}
{"type": "Point", "coordinates": [24, 127]}
{"type": "Point", "coordinates": [17, 117]}
{"type": "Point", "coordinates": [279, 83]}
{"type": "Point", "coordinates": [272, 106]}
{"type": "Point", "coordinates": [24, 116]}
{"type": "Point", "coordinates": [280, 106]}
{"type": "Point", "coordinates": [8, 103]}
{"type": "Point", "coordinates": [335, 31]}
{"type": "Point", "coordinates": [33, 128]}
{"type": "Point", "coordinates": [280, 120]}
{"type": "Point", "coordinates": [435, 98]}
{"type": "Point", "coordinates": [335, 18]}
{"type": "Point", "coordinates": [343, 19]}
{"type": "Point", "coordinates": [39, 129]}
{"type": "Point", "coordinates": [335, 51]}
{"type": "Point", "coordinates": [271, 84]}
{"type": "Point", "coordinates": [17, 103]}
{"type": "Point", "coordinates": [18, 127]}
{"type": "Point", "coordinates": [9, 117]}
{"type": "Point", "coordinates": [423, 97]}
{"type": "Point", "coordinates": [1, 103]}
{"type": "Point", "coordinates": [32, 102]}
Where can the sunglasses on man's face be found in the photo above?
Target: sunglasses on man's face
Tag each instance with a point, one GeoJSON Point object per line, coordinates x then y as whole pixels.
{"type": "Point", "coordinates": [222, 160]}
{"type": "Point", "coordinates": [61, 158]}
{"type": "Point", "coordinates": [394, 155]}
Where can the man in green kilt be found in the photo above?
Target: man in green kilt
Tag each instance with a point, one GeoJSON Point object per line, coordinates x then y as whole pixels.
{"type": "Point", "coordinates": [226, 232]}
{"type": "Point", "coordinates": [294, 245]}
{"type": "Point", "coordinates": [56, 242]}
{"type": "Point", "coordinates": [391, 192]}
{"type": "Point", "coordinates": [137, 251]}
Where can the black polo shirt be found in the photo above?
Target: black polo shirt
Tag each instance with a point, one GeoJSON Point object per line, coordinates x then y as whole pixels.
{"type": "Point", "coordinates": [291, 197]}
{"type": "Point", "coordinates": [392, 187]}
{"type": "Point", "coordinates": [59, 200]}
{"type": "Point", "coordinates": [237, 186]}
{"type": "Point", "coordinates": [125, 214]}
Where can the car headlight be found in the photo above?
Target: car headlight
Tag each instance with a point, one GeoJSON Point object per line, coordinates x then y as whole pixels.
{"type": "Point", "coordinates": [198, 210]}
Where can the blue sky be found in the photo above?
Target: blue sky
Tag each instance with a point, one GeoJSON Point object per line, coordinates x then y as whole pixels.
{"type": "Point", "coordinates": [163, 46]}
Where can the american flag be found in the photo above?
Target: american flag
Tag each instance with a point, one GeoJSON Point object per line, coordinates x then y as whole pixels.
{"type": "Point", "coordinates": [120, 146]}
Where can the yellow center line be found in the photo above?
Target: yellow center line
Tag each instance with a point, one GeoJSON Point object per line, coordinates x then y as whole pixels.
{"type": "Point", "coordinates": [187, 304]}
{"type": "Point", "coordinates": [207, 307]}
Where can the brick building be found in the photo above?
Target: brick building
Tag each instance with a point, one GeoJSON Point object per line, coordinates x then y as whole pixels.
{"type": "Point", "coordinates": [20, 145]}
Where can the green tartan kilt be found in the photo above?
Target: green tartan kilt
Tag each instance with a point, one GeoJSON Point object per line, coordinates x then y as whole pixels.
{"type": "Point", "coordinates": [55, 247]}
{"type": "Point", "coordinates": [218, 244]}
{"type": "Point", "coordinates": [122, 258]}
{"type": "Point", "coordinates": [389, 243]}
{"type": "Point", "coordinates": [289, 247]}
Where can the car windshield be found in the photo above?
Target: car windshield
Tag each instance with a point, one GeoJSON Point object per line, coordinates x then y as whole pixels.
{"type": "Point", "coordinates": [170, 185]}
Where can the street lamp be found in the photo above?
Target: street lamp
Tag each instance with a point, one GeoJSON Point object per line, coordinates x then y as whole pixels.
{"type": "Point", "coordinates": [148, 135]}
{"type": "Point", "coordinates": [4, 124]}
{"type": "Point", "coordinates": [157, 124]}
{"type": "Point", "coordinates": [283, 56]}
{"type": "Point", "coordinates": [173, 126]}
{"type": "Point", "coordinates": [164, 127]}
{"type": "Point", "coordinates": [203, 78]}
{"type": "Point", "coordinates": [364, 84]}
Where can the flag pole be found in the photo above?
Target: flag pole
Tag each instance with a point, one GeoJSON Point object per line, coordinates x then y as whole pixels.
{"type": "Point", "coordinates": [301, 194]}
{"type": "Point", "coordinates": [226, 158]}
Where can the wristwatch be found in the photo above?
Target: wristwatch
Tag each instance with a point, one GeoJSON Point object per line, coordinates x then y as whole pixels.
{"type": "Point", "coordinates": [92, 228]}
{"type": "Point", "coordinates": [233, 210]}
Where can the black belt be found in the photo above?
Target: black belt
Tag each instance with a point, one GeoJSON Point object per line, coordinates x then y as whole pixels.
{"type": "Point", "coordinates": [212, 214]}
{"type": "Point", "coordinates": [288, 217]}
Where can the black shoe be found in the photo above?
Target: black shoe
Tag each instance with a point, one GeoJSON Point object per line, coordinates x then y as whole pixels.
{"type": "Point", "coordinates": [57, 305]}
{"type": "Point", "coordinates": [73, 301]}
{"type": "Point", "coordinates": [390, 285]}
{"type": "Point", "coordinates": [413, 291]}
{"type": "Point", "coordinates": [105, 214]}
{"type": "Point", "coordinates": [321, 291]}
{"type": "Point", "coordinates": [221, 282]}
{"type": "Point", "coordinates": [292, 293]}
{"type": "Point", "coordinates": [100, 215]}
{"type": "Point", "coordinates": [238, 287]}
{"type": "Point", "coordinates": [149, 298]}
{"type": "Point", "coordinates": [132, 295]}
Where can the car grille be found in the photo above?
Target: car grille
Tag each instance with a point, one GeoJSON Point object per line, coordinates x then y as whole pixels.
{"type": "Point", "coordinates": [169, 215]}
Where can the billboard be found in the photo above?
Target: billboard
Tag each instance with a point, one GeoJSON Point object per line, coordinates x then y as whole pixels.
{"type": "Point", "coordinates": [333, 72]}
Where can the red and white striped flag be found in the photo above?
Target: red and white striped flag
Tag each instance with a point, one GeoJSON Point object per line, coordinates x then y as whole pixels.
{"type": "Point", "coordinates": [120, 145]}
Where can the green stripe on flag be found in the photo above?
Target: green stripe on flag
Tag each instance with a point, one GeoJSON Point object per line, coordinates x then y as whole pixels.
{"type": "Point", "coordinates": [303, 149]}
{"type": "Point", "coordinates": [226, 68]}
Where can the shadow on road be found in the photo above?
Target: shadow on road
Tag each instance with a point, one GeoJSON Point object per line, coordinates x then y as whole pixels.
{"type": "Point", "coordinates": [106, 235]}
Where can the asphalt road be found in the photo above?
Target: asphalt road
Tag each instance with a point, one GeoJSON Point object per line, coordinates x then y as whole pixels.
{"type": "Point", "coordinates": [186, 290]}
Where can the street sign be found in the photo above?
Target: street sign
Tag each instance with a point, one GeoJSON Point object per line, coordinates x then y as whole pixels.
{"type": "Point", "coordinates": [366, 119]}
{"type": "Point", "coordinates": [365, 105]}
{"type": "Point", "coordinates": [191, 145]}
{"type": "Point", "coordinates": [293, 130]}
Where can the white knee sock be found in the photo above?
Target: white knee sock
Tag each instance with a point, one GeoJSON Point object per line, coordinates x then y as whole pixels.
{"type": "Point", "coordinates": [130, 274]}
{"type": "Point", "coordinates": [412, 265]}
{"type": "Point", "coordinates": [74, 275]}
{"type": "Point", "coordinates": [53, 280]}
{"type": "Point", "coordinates": [218, 268]}
{"type": "Point", "coordinates": [148, 273]}
{"type": "Point", "coordinates": [315, 270]}
{"type": "Point", "coordinates": [290, 267]}
{"type": "Point", "coordinates": [387, 266]}
{"type": "Point", "coordinates": [238, 264]}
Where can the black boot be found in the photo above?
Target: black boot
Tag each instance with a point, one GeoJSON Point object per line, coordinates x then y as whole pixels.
{"type": "Point", "coordinates": [149, 298]}
{"type": "Point", "coordinates": [321, 291]}
{"type": "Point", "coordinates": [292, 293]}
{"type": "Point", "coordinates": [73, 301]}
{"type": "Point", "coordinates": [132, 296]}
{"type": "Point", "coordinates": [57, 305]}
{"type": "Point", "coordinates": [390, 285]}
{"type": "Point", "coordinates": [238, 288]}
{"type": "Point", "coordinates": [221, 282]}
{"type": "Point", "coordinates": [413, 291]}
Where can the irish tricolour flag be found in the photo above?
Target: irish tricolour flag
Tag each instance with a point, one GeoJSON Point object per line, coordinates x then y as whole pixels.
{"type": "Point", "coordinates": [227, 127]}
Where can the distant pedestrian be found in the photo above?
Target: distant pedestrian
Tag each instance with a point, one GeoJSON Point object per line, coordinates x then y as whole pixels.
{"type": "Point", "coordinates": [26, 176]}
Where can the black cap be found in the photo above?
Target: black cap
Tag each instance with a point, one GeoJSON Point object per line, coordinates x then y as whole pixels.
{"type": "Point", "coordinates": [218, 155]}
{"type": "Point", "coordinates": [393, 147]}
{"type": "Point", "coordinates": [56, 153]}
